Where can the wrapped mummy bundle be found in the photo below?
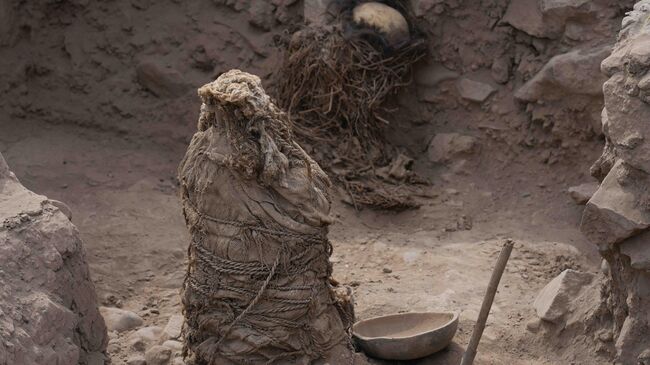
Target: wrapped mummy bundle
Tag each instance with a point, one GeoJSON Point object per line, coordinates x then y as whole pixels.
{"type": "Point", "coordinates": [257, 286]}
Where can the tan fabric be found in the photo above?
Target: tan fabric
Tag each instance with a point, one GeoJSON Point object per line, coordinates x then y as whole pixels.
{"type": "Point", "coordinates": [257, 287]}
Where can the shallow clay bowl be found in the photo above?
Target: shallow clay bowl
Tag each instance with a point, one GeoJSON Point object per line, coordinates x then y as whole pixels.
{"type": "Point", "coordinates": [405, 336]}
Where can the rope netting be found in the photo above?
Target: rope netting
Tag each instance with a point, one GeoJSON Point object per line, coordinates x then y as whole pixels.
{"type": "Point", "coordinates": [260, 303]}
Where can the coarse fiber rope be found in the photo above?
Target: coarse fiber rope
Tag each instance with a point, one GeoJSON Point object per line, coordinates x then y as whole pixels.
{"type": "Point", "coordinates": [254, 301]}
{"type": "Point", "coordinates": [311, 238]}
{"type": "Point", "coordinates": [220, 265]}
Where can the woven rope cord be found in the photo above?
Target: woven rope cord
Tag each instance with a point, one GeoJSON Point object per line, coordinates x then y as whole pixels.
{"type": "Point", "coordinates": [212, 266]}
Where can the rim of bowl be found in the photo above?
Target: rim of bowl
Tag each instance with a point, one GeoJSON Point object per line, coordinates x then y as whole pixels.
{"type": "Point", "coordinates": [454, 318]}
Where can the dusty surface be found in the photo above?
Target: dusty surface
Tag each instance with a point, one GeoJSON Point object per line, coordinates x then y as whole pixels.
{"type": "Point", "coordinates": [86, 119]}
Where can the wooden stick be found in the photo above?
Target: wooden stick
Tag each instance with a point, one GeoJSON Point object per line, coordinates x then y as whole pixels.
{"type": "Point", "coordinates": [470, 353]}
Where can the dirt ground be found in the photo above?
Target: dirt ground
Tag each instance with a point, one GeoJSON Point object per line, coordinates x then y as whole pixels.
{"type": "Point", "coordinates": [117, 172]}
{"type": "Point", "coordinates": [122, 192]}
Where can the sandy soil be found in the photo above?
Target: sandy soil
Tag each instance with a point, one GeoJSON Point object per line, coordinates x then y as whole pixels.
{"type": "Point", "coordinates": [122, 192]}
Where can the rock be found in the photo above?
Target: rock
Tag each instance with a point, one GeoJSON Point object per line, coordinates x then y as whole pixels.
{"type": "Point", "coordinates": [15, 200]}
{"type": "Point", "coordinates": [474, 90]}
{"type": "Point", "coordinates": [136, 360]}
{"type": "Point", "coordinates": [173, 328]}
{"type": "Point", "coordinates": [550, 5]}
{"type": "Point", "coordinates": [583, 192]}
{"type": "Point", "coordinates": [604, 267]}
{"type": "Point", "coordinates": [644, 358]}
{"type": "Point", "coordinates": [605, 335]}
{"type": "Point", "coordinates": [562, 6]}
{"type": "Point", "coordinates": [544, 18]}
{"type": "Point", "coordinates": [64, 208]}
{"type": "Point", "coordinates": [433, 74]}
{"type": "Point", "coordinates": [553, 302]}
{"type": "Point", "coordinates": [628, 136]}
{"type": "Point", "coordinates": [501, 69]}
{"type": "Point", "coordinates": [96, 358]}
{"type": "Point", "coordinates": [422, 7]}
{"type": "Point", "coordinates": [48, 305]}
{"type": "Point", "coordinates": [173, 345]}
{"type": "Point", "coordinates": [260, 14]}
{"type": "Point", "coordinates": [150, 334]}
{"type": "Point", "coordinates": [561, 12]}
{"type": "Point", "coordinates": [575, 72]}
{"type": "Point", "coordinates": [619, 210]}
{"type": "Point", "coordinates": [631, 336]}
{"type": "Point", "coordinates": [527, 16]}
{"type": "Point", "coordinates": [161, 81]}
{"type": "Point", "coordinates": [158, 355]}
{"type": "Point", "coordinates": [446, 146]}
{"type": "Point", "coordinates": [637, 249]}
{"type": "Point", "coordinates": [606, 161]}
{"type": "Point", "coordinates": [644, 83]}
{"type": "Point", "coordinates": [137, 343]}
{"type": "Point", "coordinates": [281, 13]}
{"type": "Point", "coordinates": [613, 213]}
{"type": "Point", "coordinates": [120, 320]}
{"type": "Point", "coordinates": [178, 361]}
{"type": "Point", "coordinates": [533, 325]}
{"type": "Point", "coordinates": [315, 12]}
{"type": "Point", "coordinates": [113, 346]}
